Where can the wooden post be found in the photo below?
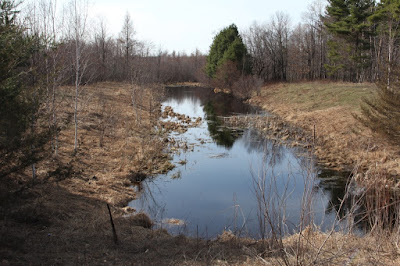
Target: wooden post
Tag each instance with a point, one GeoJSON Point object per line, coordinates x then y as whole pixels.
{"type": "Point", "coordinates": [113, 226]}
{"type": "Point", "coordinates": [314, 135]}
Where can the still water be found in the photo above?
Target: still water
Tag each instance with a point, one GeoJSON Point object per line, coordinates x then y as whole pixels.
{"type": "Point", "coordinates": [225, 172]}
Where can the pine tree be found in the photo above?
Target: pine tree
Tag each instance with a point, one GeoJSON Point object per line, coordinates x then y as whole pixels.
{"type": "Point", "coordinates": [387, 19]}
{"type": "Point", "coordinates": [227, 46]}
{"type": "Point", "coordinates": [19, 96]}
{"type": "Point", "coordinates": [14, 54]}
{"type": "Point", "coordinates": [347, 21]}
{"type": "Point", "coordinates": [382, 113]}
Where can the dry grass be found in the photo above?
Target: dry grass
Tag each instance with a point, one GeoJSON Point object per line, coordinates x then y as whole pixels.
{"type": "Point", "coordinates": [112, 144]}
{"type": "Point", "coordinates": [63, 219]}
{"type": "Point", "coordinates": [341, 249]}
{"type": "Point", "coordinates": [311, 96]}
{"type": "Point", "coordinates": [342, 141]}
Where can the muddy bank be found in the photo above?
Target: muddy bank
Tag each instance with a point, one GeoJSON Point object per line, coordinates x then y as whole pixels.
{"type": "Point", "coordinates": [274, 128]}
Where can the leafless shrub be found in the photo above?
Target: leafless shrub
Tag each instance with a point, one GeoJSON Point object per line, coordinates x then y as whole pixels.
{"type": "Point", "coordinates": [229, 77]}
{"type": "Point", "coordinates": [246, 85]}
{"type": "Point", "coordinates": [271, 207]}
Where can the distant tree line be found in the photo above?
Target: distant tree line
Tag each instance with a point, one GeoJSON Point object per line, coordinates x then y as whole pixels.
{"type": "Point", "coordinates": [356, 41]}
{"type": "Point", "coordinates": [48, 46]}
{"type": "Point", "coordinates": [44, 46]}
{"type": "Point", "coordinates": [103, 57]}
{"type": "Point", "coordinates": [340, 40]}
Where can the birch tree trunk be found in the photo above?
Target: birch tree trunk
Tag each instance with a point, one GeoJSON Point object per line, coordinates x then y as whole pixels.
{"type": "Point", "coordinates": [79, 17]}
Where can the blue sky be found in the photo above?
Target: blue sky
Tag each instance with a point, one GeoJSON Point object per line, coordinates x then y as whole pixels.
{"type": "Point", "coordinates": [186, 25]}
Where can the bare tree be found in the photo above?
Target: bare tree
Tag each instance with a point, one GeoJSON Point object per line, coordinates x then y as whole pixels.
{"type": "Point", "coordinates": [128, 42]}
{"type": "Point", "coordinates": [316, 39]}
{"type": "Point", "coordinates": [281, 30]}
{"type": "Point", "coordinates": [40, 21]}
{"type": "Point", "coordinates": [54, 62]}
{"type": "Point", "coordinates": [102, 43]}
{"type": "Point", "coordinates": [78, 21]}
{"type": "Point", "coordinates": [282, 53]}
{"type": "Point", "coordinates": [268, 46]}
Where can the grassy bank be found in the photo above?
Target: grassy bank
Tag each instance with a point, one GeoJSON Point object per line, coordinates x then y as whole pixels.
{"type": "Point", "coordinates": [63, 217]}
{"type": "Point", "coordinates": [342, 142]}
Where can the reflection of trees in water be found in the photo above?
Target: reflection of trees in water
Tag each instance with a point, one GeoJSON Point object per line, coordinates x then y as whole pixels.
{"type": "Point", "coordinates": [181, 94]}
{"type": "Point", "coordinates": [352, 204]}
{"type": "Point", "coordinates": [335, 183]}
{"type": "Point", "coordinates": [273, 151]}
{"type": "Point", "coordinates": [147, 201]}
{"type": "Point", "coordinates": [214, 105]}
{"type": "Point", "coordinates": [342, 197]}
{"type": "Point", "coordinates": [220, 134]}
{"type": "Point", "coordinates": [223, 104]}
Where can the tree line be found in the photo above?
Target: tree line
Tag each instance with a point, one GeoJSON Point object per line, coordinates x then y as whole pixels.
{"type": "Point", "coordinates": [346, 40]}
{"type": "Point", "coordinates": [340, 40]}
{"type": "Point", "coordinates": [46, 46]}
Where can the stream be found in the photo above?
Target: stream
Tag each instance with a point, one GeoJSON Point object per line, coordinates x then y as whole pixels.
{"type": "Point", "coordinates": [225, 176]}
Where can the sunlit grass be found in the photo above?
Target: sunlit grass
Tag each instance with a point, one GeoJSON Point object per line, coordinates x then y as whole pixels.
{"type": "Point", "coordinates": [311, 96]}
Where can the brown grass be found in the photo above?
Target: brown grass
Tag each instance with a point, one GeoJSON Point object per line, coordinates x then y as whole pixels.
{"type": "Point", "coordinates": [342, 141]}
{"type": "Point", "coordinates": [63, 218]}
{"type": "Point", "coordinates": [111, 143]}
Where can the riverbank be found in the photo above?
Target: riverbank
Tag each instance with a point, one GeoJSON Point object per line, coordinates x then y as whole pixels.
{"type": "Point", "coordinates": [327, 110]}
{"type": "Point", "coordinates": [65, 210]}
{"type": "Point", "coordinates": [63, 218]}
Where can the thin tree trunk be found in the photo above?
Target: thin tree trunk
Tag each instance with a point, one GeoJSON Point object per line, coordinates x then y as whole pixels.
{"type": "Point", "coordinates": [32, 155]}
{"type": "Point", "coordinates": [390, 48]}
{"type": "Point", "coordinates": [54, 114]}
{"type": "Point", "coordinates": [76, 99]}
{"type": "Point", "coordinates": [77, 80]}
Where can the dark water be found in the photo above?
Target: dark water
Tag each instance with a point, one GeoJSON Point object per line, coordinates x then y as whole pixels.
{"type": "Point", "coordinates": [219, 186]}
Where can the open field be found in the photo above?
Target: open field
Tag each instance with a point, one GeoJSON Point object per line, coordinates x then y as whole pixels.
{"type": "Point", "coordinates": [313, 96]}
{"type": "Point", "coordinates": [342, 142]}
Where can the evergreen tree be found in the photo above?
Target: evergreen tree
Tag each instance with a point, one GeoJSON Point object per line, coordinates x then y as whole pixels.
{"type": "Point", "coordinates": [19, 99]}
{"type": "Point", "coordinates": [347, 21]}
{"type": "Point", "coordinates": [387, 20]}
{"type": "Point", "coordinates": [382, 114]}
{"type": "Point", "coordinates": [13, 51]}
{"type": "Point", "coordinates": [227, 46]}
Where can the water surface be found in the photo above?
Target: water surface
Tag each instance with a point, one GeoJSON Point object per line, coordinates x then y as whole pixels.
{"type": "Point", "coordinates": [218, 188]}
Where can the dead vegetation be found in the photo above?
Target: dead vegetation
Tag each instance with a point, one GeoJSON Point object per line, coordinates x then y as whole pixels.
{"type": "Point", "coordinates": [63, 217]}
{"type": "Point", "coordinates": [329, 110]}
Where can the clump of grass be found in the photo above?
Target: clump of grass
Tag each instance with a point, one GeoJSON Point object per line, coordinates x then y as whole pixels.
{"type": "Point", "coordinates": [182, 162]}
{"type": "Point", "coordinates": [141, 219]}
